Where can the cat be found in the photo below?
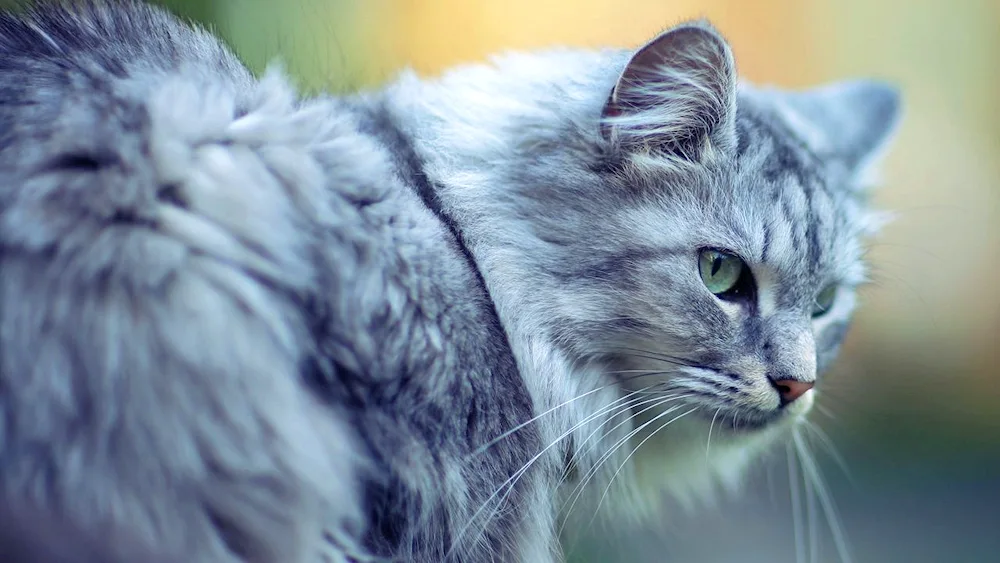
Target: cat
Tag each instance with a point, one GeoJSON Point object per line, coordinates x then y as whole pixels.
{"type": "Point", "coordinates": [30, 535]}
{"type": "Point", "coordinates": [415, 323]}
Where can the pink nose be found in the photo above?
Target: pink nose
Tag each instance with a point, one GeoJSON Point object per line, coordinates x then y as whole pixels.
{"type": "Point", "coordinates": [789, 389]}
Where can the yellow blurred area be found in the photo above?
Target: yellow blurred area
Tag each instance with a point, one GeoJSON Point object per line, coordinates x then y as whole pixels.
{"type": "Point", "coordinates": [432, 35]}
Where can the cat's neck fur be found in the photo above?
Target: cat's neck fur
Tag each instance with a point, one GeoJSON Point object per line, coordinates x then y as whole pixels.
{"type": "Point", "coordinates": [467, 149]}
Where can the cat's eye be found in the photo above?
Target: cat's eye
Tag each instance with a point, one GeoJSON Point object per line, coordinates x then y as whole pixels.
{"type": "Point", "coordinates": [720, 271]}
{"type": "Point", "coordinates": [824, 300]}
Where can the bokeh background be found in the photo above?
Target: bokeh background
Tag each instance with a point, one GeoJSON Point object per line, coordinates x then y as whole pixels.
{"type": "Point", "coordinates": [914, 402]}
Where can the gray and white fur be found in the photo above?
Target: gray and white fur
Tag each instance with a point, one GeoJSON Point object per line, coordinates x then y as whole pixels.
{"type": "Point", "coordinates": [238, 324]}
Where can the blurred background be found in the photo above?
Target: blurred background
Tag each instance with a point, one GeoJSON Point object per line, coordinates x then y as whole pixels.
{"type": "Point", "coordinates": [913, 404]}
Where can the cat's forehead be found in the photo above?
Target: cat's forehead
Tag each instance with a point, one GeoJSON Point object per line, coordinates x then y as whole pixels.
{"type": "Point", "coordinates": [787, 209]}
{"type": "Point", "coordinates": [800, 228]}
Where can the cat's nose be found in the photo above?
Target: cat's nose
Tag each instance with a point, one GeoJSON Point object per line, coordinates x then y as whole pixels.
{"type": "Point", "coordinates": [790, 389]}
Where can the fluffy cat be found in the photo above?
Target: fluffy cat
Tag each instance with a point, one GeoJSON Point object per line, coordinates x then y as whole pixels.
{"type": "Point", "coordinates": [237, 324]}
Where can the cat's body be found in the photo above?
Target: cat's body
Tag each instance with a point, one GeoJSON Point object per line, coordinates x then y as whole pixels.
{"type": "Point", "coordinates": [246, 326]}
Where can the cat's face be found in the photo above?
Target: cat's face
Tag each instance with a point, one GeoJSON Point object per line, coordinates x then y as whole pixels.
{"type": "Point", "coordinates": [736, 295]}
{"type": "Point", "coordinates": [723, 247]}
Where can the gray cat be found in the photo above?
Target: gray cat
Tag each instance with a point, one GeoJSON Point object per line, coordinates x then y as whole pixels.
{"type": "Point", "coordinates": [237, 324]}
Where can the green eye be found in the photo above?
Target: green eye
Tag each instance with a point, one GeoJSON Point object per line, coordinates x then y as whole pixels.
{"type": "Point", "coordinates": [719, 271]}
{"type": "Point", "coordinates": [824, 300]}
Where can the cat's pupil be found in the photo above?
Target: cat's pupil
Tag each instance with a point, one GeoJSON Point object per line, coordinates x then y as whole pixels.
{"type": "Point", "coordinates": [716, 264]}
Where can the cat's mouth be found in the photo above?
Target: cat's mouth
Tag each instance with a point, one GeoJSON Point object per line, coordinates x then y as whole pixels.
{"type": "Point", "coordinates": [739, 419]}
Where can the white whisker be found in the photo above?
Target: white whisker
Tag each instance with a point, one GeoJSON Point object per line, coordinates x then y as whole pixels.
{"type": "Point", "coordinates": [513, 479]}
{"type": "Point", "coordinates": [795, 492]}
{"type": "Point", "coordinates": [499, 438]}
{"type": "Point", "coordinates": [826, 503]}
{"type": "Point", "coordinates": [708, 442]}
{"type": "Point", "coordinates": [635, 449]}
{"type": "Point", "coordinates": [830, 448]}
{"type": "Point", "coordinates": [578, 490]}
{"type": "Point", "coordinates": [812, 519]}
{"type": "Point", "coordinates": [825, 411]}
{"type": "Point", "coordinates": [607, 455]}
{"type": "Point", "coordinates": [638, 402]}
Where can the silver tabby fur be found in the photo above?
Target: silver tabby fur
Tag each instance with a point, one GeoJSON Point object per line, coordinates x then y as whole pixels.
{"type": "Point", "coordinates": [237, 324]}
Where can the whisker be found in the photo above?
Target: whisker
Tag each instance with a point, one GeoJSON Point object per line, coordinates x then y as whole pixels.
{"type": "Point", "coordinates": [820, 408]}
{"type": "Point", "coordinates": [513, 479]}
{"type": "Point", "coordinates": [635, 449]}
{"type": "Point", "coordinates": [663, 360]}
{"type": "Point", "coordinates": [607, 455]}
{"type": "Point", "coordinates": [737, 413]}
{"type": "Point", "coordinates": [826, 503]}
{"type": "Point", "coordinates": [831, 448]}
{"type": "Point", "coordinates": [659, 356]}
{"type": "Point", "coordinates": [637, 402]}
{"type": "Point", "coordinates": [812, 521]}
{"type": "Point", "coordinates": [606, 412]}
{"type": "Point", "coordinates": [593, 444]}
{"type": "Point", "coordinates": [578, 490]}
{"type": "Point", "coordinates": [794, 491]}
{"type": "Point", "coordinates": [643, 371]}
{"type": "Point", "coordinates": [708, 442]}
{"type": "Point", "coordinates": [481, 449]}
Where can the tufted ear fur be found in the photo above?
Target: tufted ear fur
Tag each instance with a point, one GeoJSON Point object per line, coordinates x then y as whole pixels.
{"type": "Point", "coordinates": [850, 122]}
{"type": "Point", "coordinates": [676, 95]}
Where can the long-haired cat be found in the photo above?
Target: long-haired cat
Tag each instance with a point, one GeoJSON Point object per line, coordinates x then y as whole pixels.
{"type": "Point", "coordinates": [242, 325]}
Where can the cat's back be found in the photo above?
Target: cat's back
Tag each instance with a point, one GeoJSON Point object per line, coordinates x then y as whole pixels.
{"type": "Point", "coordinates": [160, 217]}
{"type": "Point", "coordinates": [232, 319]}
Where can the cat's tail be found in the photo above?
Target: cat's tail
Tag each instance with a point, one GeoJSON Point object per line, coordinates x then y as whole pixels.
{"type": "Point", "coordinates": [154, 204]}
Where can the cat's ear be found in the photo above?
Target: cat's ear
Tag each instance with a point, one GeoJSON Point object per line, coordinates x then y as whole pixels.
{"type": "Point", "coordinates": [850, 123]}
{"type": "Point", "coordinates": [676, 95]}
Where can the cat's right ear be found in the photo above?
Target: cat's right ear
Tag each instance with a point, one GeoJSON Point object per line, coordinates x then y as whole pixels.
{"type": "Point", "coordinates": [676, 96]}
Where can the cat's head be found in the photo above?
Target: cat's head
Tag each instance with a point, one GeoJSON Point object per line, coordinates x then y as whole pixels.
{"type": "Point", "coordinates": [723, 278]}
{"type": "Point", "coordinates": [730, 258]}
{"type": "Point", "coordinates": [696, 239]}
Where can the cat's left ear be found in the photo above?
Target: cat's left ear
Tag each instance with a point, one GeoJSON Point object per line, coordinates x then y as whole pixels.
{"type": "Point", "coordinates": [851, 123]}
{"type": "Point", "coordinates": [676, 96]}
